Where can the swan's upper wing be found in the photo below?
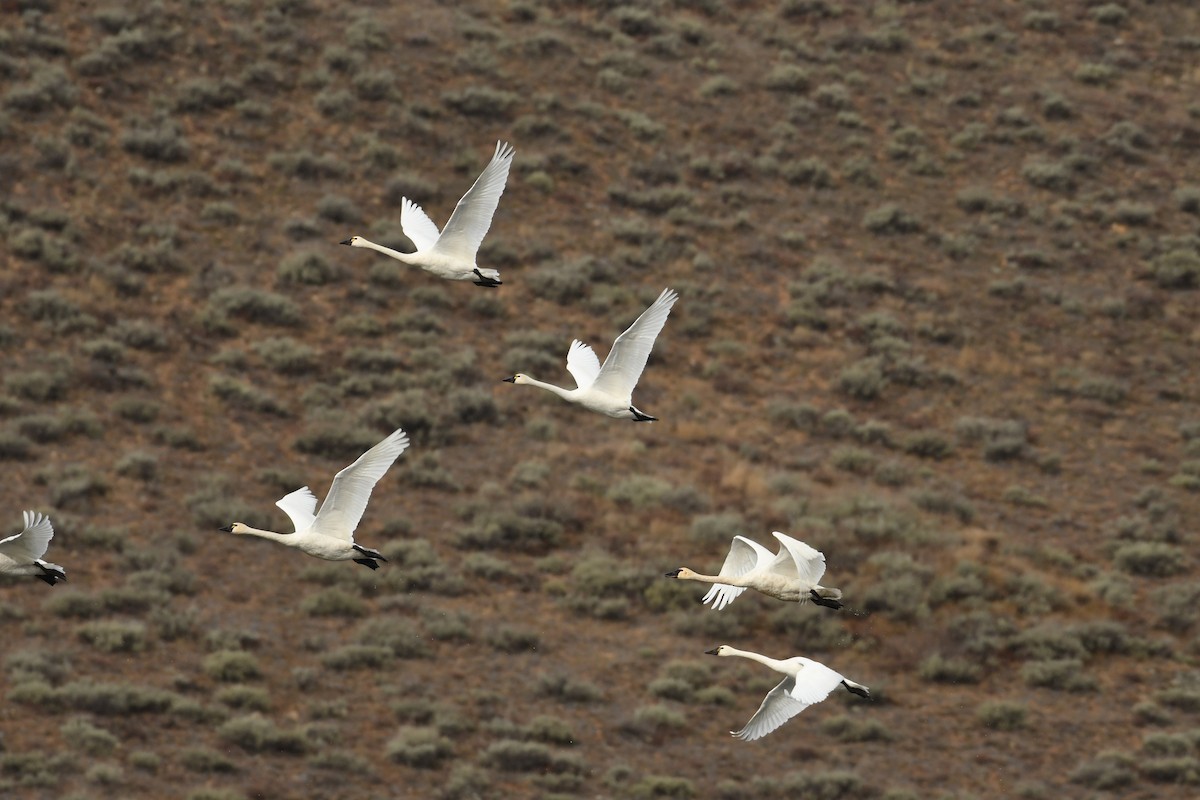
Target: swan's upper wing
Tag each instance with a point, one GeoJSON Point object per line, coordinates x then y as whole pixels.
{"type": "Point", "coordinates": [744, 555]}
{"type": "Point", "coordinates": [629, 352]}
{"type": "Point", "coordinates": [30, 543]}
{"type": "Point", "coordinates": [300, 506]}
{"type": "Point", "coordinates": [583, 364]}
{"type": "Point", "coordinates": [417, 225]}
{"type": "Point", "coordinates": [796, 559]}
{"type": "Point", "coordinates": [814, 682]}
{"type": "Point", "coordinates": [351, 489]}
{"type": "Point", "coordinates": [777, 708]}
{"type": "Point", "coordinates": [473, 215]}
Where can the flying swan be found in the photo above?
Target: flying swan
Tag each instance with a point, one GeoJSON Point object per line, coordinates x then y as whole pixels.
{"type": "Point", "coordinates": [807, 682]}
{"type": "Point", "coordinates": [608, 389]}
{"type": "Point", "coordinates": [450, 253]}
{"type": "Point", "coordinates": [21, 553]}
{"type": "Point", "coordinates": [329, 534]}
{"type": "Point", "coordinates": [792, 574]}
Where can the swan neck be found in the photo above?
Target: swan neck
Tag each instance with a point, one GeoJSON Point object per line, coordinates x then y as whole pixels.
{"type": "Point", "coordinates": [387, 251]}
{"type": "Point", "coordinates": [549, 387]}
{"type": "Point", "coordinates": [731, 580]}
{"type": "Point", "coordinates": [272, 535]}
{"type": "Point", "coordinates": [774, 664]}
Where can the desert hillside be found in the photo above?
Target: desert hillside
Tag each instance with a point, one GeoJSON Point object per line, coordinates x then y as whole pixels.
{"type": "Point", "coordinates": [938, 266]}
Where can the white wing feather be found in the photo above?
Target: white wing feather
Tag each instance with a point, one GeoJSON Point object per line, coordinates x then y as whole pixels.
{"type": "Point", "coordinates": [417, 225]}
{"type": "Point", "coordinates": [814, 682]}
{"type": "Point", "coordinates": [744, 556]}
{"type": "Point", "coordinates": [300, 506]}
{"type": "Point", "coordinates": [31, 543]}
{"type": "Point", "coordinates": [777, 708]}
{"type": "Point", "coordinates": [583, 364]}
{"type": "Point", "coordinates": [629, 352]}
{"type": "Point", "coordinates": [472, 216]}
{"type": "Point", "coordinates": [351, 489]}
{"type": "Point", "coordinates": [797, 559]}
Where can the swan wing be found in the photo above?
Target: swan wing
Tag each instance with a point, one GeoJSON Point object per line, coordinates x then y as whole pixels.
{"type": "Point", "coordinates": [583, 364]}
{"type": "Point", "coordinates": [629, 352]}
{"type": "Point", "coordinates": [473, 215]}
{"type": "Point", "coordinates": [300, 506]}
{"type": "Point", "coordinates": [351, 489]}
{"type": "Point", "coordinates": [417, 225]}
{"type": "Point", "coordinates": [813, 682]}
{"type": "Point", "coordinates": [798, 560]}
{"type": "Point", "coordinates": [777, 708]}
{"type": "Point", "coordinates": [31, 543]}
{"type": "Point", "coordinates": [744, 556]}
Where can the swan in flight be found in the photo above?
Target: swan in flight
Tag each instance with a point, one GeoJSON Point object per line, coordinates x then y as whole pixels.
{"type": "Point", "coordinates": [807, 682]}
{"type": "Point", "coordinates": [450, 253]}
{"type": "Point", "coordinates": [21, 553]}
{"type": "Point", "coordinates": [792, 574]}
{"type": "Point", "coordinates": [329, 533]}
{"type": "Point", "coordinates": [608, 389]}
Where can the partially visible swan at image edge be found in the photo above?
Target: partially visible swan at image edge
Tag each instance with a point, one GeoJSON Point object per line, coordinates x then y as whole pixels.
{"type": "Point", "coordinates": [450, 253]}
{"type": "Point", "coordinates": [807, 682]}
{"type": "Point", "coordinates": [792, 574]}
{"type": "Point", "coordinates": [608, 389]}
{"type": "Point", "coordinates": [21, 553]}
{"type": "Point", "coordinates": [329, 534]}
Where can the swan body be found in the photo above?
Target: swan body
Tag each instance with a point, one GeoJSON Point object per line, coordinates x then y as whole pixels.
{"type": "Point", "coordinates": [21, 553]}
{"type": "Point", "coordinates": [792, 574]}
{"type": "Point", "coordinates": [608, 389]}
{"type": "Point", "coordinates": [807, 682]}
{"type": "Point", "coordinates": [329, 533]}
{"type": "Point", "coordinates": [450, 253]}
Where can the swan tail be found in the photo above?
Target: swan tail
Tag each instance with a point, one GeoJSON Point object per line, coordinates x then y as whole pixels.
{"type": "Point", "coordinates": [826, 596]}
{"type": "Point", "coordinates": [51, 573]}
{"type": "Point", "coordinates": [369, 553]}
{"type": "Point", "coordinates": [639, 416]}
{"type": "Point", "coordinates": [487, 278]}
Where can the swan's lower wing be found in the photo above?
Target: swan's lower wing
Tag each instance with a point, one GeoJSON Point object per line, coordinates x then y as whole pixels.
{"type": "Point", "coordinates": [798, 560]}
{"type": "Point", "coordinates": [583, 364]}
{"type": "Point", "coordinates": [300, 506]}
{"type": "Point", "coordinates": [744, 555]}
{"type": "Point", "coordinates": [777, 708]}
{"type": "Point", "coordinates": [814, 682]}
{"type": "Point", "coordinates": [31, 543]}
{"type": "Point", "coordinates": [417, 225]}
{"type": "Point", "coordinates": [721, 595]}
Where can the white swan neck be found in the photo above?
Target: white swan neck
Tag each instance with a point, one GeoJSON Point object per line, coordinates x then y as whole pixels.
{"type": "Point", "coordinates": [387, 251]}
{"type": "Point", "coordinates": [732, 580]}
{"type": "Point", "coordinates": [774, 664]}
{"type": "Point", "coordinates": [549, 387]}
{"type": "Point", "coordinates": [272, 535]}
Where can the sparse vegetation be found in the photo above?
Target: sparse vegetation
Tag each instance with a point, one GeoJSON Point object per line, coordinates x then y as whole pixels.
{"type": "Point", "coordinates": [938, 269]}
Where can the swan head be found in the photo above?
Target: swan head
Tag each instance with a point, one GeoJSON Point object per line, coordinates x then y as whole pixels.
{"type": "Point", "coordinates": [237, 527]}
{"type": "Point", "coordinates": [353, 241]}
{"type": "Point", "coordinates": [518, 379]}
{"type": "Point", "coordinates": [723, 650]}
{"type": "Point", "coordinates": [683, 574]}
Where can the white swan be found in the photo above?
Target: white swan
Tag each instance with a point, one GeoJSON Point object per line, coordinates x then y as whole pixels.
{"type": "Point", "coordinates": [608, 389]}
{"type": "Point", "coordinates": [792, 574]}
{"type": "Point", "coordinates": [21, 553]}
{"type": "Point", "coordinates": [329, 534]}
{"type": "Point", "coordinates": [451, 253]}
{"type": "Point", "coordinates": [807, 682]}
